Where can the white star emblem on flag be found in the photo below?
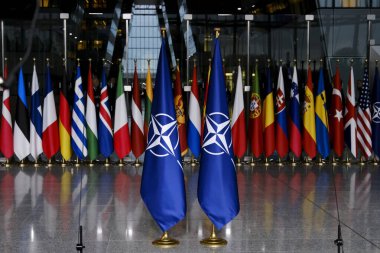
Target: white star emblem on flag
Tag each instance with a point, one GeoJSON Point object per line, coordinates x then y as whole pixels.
{"type": "Point", "coordinates": [216, 135]}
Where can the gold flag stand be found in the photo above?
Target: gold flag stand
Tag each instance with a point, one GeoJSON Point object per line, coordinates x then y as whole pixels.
{"type": "Point", "coordinates": [334, 162]}
{"type": "Point", "coordinates": [347, 161]}
{"type": "Point", "coordinates": [320, 162]}
{"type": "Point", "coordinates": [49, 163]}
{"type": "Point", "coordinates": [252, 162]}
{"type": "Point", "coordinates": [121, 163]}
{"type": "Point", "coordinates": [238, 162]}
{"type": "Point", "coordinates": [213, 240]}
{"type": "Point", "coordinates": [293, 163]}
{"type": "Point", "coordinates": [362, 161]}
{"type": "Point", "coordinates": [279, 163]}
{"type": "Point", "coordinates": [165, 241]}
{"type": "Point", "coordinates": [22, 163]}
{"type": "Point", "coordinates": [7, 163]}
{"type": "Point", "coordinates": [63, 164]}
{"type": "Point", "coordinates": [375, 160]}
{"type": "Point", "coordinates": [77, 163]}
{"type": "Point", "coordinates": [90, 163]}
{"type": "Point", "coordinates": [106, 163]}
{"type": "Point", "coordinates": [266, 161]}
{"type": "Point", "coordinates": [306, 161]}
{"type": "Point", "coordinates": [137, 163]}
{"type": "Point", "coordinates": [193, 161]}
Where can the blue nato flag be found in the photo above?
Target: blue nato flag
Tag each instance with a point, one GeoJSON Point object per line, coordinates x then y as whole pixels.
{"type": "Point", "coordinates": [217, 184]}
{"type": "Point", "coordinates": [162, 185]}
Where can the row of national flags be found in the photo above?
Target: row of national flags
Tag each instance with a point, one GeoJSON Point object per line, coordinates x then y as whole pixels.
{"type": "Point", "coordinates": [276, 124]}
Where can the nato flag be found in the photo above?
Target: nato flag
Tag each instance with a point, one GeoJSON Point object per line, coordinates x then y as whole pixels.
{"type": "Point", "coordinates": [217, 186]}
{"type": "Point", "coordinates": [162, 185]}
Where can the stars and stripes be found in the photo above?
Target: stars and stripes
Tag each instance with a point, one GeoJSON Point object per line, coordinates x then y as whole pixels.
{"type": "Point", "coordinates": [364, 118]}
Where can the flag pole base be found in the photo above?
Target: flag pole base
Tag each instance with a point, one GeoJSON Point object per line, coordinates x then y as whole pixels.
{"type": "Point", "coordinates": [77, 164]}
{"type": "Point", "coordinates": [238, 162]}
{"type": "Point", "coordinates": [320, 162]}
{"type": "Point", "coordinates": [120, 163]}
{"type": "Point", "coordinates": [137, 163]}
{"type": "Point", "coordinates": [293, 163]}
{"type": "Point", "coordinates": [22, 163]}
{"type": "Point", "coordinates": [280, 162]}
{"type": "Point", "coordinates": [375, 161]}
{"type": "Point", "coordinates": [7, 164]}
{"type": "Point", "coordinates": [252, 163]}
{"type": "Point", "coordinates": [306, 161]}
{"type": "Point", "coordinates": [362, 161]}
{"type": "Point", "coordinates": [193, 161]}
{"type": "Point", "coordinates": [213, 241]}
{"type": "Point", "coordinates": [49, 163]}
{"type": "Point", "coordinates": [165, 241]}
{"type": "Point", "coordinates": [347, 161]}
{"type": "Point", "coordinates": [63, 164]}
{"type": "Point", "coordinates": [334, 162]}
{"type": "Point", "coordinates": [107, 163]}
{"type": "Point", "coordinates": [36, 163]}
{"type": "Point", "coordinates": [266, 161]}
{"type": "Point", "coordinates": [90, 164]}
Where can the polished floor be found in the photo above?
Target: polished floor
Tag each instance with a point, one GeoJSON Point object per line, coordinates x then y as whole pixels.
{"type": "Point", "coordinates": [283, 209]}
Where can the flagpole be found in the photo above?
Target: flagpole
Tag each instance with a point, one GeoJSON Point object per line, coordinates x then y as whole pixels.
{"type": "Point", "coordinates": [65, 17]}
{"type": "Point", "coordinates": [213, 240]}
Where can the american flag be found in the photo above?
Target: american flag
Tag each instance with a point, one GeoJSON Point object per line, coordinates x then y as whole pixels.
{"type": "Point", "coordinates": [364, 118]}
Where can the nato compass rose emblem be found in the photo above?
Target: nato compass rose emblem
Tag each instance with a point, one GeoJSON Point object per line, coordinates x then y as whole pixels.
{"type": "Point", "coordinates": [215, 140]}
{"type": "Point", "coordinates": [376, 113]}
{"type": "Point", "coordinates": [162, 140]}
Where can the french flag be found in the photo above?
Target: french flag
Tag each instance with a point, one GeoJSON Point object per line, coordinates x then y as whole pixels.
{"type": "Point", "coordinates": [50, 135]}
{"type": "Point", "coordinates": [194, 127]}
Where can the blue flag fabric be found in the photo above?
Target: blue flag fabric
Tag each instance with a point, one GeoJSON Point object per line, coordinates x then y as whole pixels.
{"type": "Point", "coordinates": [162, 184]}
{"type": "Point", "coordinates": [217, 183]}
{"type": "Point", "coordinates": [376, 114]}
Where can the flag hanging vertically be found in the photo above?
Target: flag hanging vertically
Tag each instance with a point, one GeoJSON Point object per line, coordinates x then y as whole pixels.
{"type": "Point", "coordinates": [268, 116]}
{"type": "Point", "coordinates": [121, 138]}
{"type": "Point", "coordinates": [180, 111]}
{"type": "Point", "coordinates": [239, 138]}
{"type": "Point", "coordinates": [91, 124]}
{"type": "Point", "coordinates": [162, 183]}
{"type": "Point", "coordinates": [50, 135]}
{"type": "Point", "coordinates": [78, 123]}
{"type": "Point", "coordinates": [321, 118]}
{"type": "Point", "coordinates": [337, 129]}
{"type": "Point", "coordinates": [309, 133]}
{"type": "Point", "coordinates": [6, 140]}
{"type": "Point", "coordinates": [138, 143]}
{"type": "Point", "coordinates": [148, 102]}
{"type": "Point", "coordinates": [282, 142]}
{"type": "Point", "coordinates": [255, 117]}
{"type": "Point", "coordinates": [35, 117]}
{"type": "Point", "coordinates": [21, 130]}
{"type": "Point", "coordinates": [295, 140]}
{"type": "Point", "coordinates": [64, 118]}
{"type": "Point", "coordinates": [217, 172]}
{"type": "Point", "coordinates": [350, 128]}
{"type": "Point", "coordinates": [194, 127]}
{"type": "Point", "coordinates": [364, 118]}
{"type": "Point", "coordinates": [105, 122]}
{"type": "Point", "coordinates": [376, 114]}
{"type": "Point", "coordinates": [205, 99]}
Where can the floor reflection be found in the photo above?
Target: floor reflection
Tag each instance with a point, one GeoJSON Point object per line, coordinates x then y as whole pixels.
{"type": "Point", "coordinates": [282, 209]}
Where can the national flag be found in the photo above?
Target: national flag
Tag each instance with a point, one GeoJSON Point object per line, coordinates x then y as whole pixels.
{"type": "Point", "coordinates": [35, 117]}
{"type": "Point", "coordinates": [239, 138]}
{"type": "Point", "coordinates": [138, 143]}
{"type": "Point", "coordinates": [337, 129]}
{"type": "Point", "coordinates": [6, 140]}
{"type": "Point", "coordinates": [217, 183]}
{"type": "Point", "coordinates": [148, 102]}
{"type": "Point", "coordinates": [78, 123]}
{"type": "Point", "coordinates": [50, 134]}
{"type": "Point", "coordinates": [205, 99]}
{"type": "Point", "coordinates": [162, 183]}
{"type": "Point", "coordinates": [121, 138]}
{"type": "Point", "coordinates": [295, 140]}
{"type": "Point", "coordinates": [376, 114]}
{"type": "Point", "coordinates": [255, 117]}
{"type": "Point", "coordinates": [268, 116]}
{"type": "Point", "coordinates": [21, 131]}
{"type": "Point", "coordinates": [91, 126]}
{"type": "Point", "coordinates": [180, 112]}
{"type": "Point", "coordinates": [64, 119]}
{"type": "Point", "coordinates": [321, 118]}
{"type": "Point", "coordinates": [282, 143]}
{"type": "Point", "coordinates": [105, 122]}
{"type": "Point", "coordinates": [364, 118]}
{"type": "Point", "coordinates": [350, 128]}
{"type": "Point", "coordinates": [309, 133]}
{"type": "Point", "coordinates": [194, 127]}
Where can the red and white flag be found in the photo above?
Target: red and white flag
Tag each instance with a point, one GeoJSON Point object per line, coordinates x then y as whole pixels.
{"type": "Point", "coordinates": [138, 143]}
{"type": "Point", "coordinates": [337, 116]}
{"type": "Point", "coordinates": [6, 131]}
{"type": "Point", "coordinates": [350, 127]}
{"type": "Point", "coordinates": [239, 137]}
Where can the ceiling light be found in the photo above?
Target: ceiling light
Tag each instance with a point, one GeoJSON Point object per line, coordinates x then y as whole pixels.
{"type": "Point", "coordinates": [239, 8]}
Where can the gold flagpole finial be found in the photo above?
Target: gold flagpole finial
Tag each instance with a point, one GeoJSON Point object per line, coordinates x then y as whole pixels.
{"type": "Point", "coordinates": [119, 60]}
{"type": "Point", "coordinates": [217, 32]}
{"type": "Point", "coordinates": [195, 61]}
{"type": "Point", "coordinates": [281, 62]}
{"type": "Point", "coordinates": [34, 60]}
{"type": "Point", "coordinates": [376, 62]}
{"type": "Point", "coordinates": [309, 61]}
{"type": "Point", "coordinates": [257, 60]}
{"type": "Point", "coordinates": [78, 61]}
{"type": "Point", "coordinates": [163, 31]}
{"type": "Point", "coordinates": [239, 61]}
{"type": "Point", "coordinates": [20, 59]}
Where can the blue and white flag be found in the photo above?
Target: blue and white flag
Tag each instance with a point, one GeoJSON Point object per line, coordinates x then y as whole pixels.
{"type": "Point", "coordinates": [194, 126]}
{"type": "Point", "coordinates": [35, 118]}
{"type": "Point", "coordinates": [78, 125]}
{"type": "Point", "coordinates": [162, 184]}
{"type": "Point", "coordinates": [217, 183]}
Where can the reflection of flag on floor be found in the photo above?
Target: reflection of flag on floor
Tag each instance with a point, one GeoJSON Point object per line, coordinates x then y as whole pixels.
{"type": "Point", "coordinates": [162, 184]}
{"type": "Point", "coordinates": [51, 189]}
{"type": "Point", "coordinates": [35, 118]}
{"type": "Point", "coordinates": [376, 114]}
{"type": "Point", "coordinates": [282, 143]}
{"type": "Point", "coordinates": [105, 122]}
{"type": "Point", "coordinates": [21, 130]}
{"type": "Point", "coordinates": [364, 118]}
{"type": "Point", "coordinates": [217, 169]}
{"type": "Point", "coordinates": [239, 138]}
{"type": "Point", "coordinates": [350, 116]}
{"type": "Point", "coordinates": [194, 127]}
{"type": "Point", "coordinates": [268, 116]}
{"type": "Point", "coordinates": [321, 118]}
{"type": "Point", "coordinates": [6, 140]}
{"type": "Point", "coordinates": [50, 135]}
{"type": "Point", "coordinates": [7, 194]}
{"type": "Point", "coordinates": [295, 141]}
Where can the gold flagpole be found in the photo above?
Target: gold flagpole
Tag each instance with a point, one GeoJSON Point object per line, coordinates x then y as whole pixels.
{"type": "Point", "coordinates": [213, 240]}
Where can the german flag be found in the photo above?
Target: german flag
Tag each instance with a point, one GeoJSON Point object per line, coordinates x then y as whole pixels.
{"type": "Point", "coordinates": [64, 119]}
